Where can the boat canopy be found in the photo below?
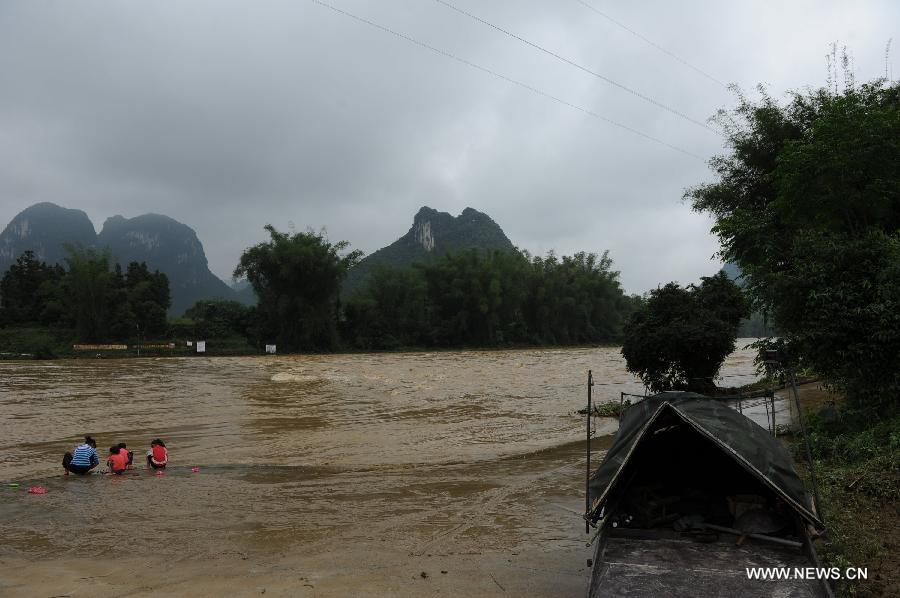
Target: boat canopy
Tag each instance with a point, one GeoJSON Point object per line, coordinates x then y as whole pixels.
{"type": "Point", "coordinates": [748, 444]}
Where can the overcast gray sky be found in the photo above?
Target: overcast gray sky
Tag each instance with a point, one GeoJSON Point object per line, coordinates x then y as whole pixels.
{"type": "Point", "coordinates": [230, 115]}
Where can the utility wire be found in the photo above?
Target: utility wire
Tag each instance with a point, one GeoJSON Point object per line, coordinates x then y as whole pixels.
{"type": "Point", "coordinates": [604, 78]}
{"type": "Point", "coordinates": [652, 43]}
{"type": "Point", "coordinates": [516, 82]}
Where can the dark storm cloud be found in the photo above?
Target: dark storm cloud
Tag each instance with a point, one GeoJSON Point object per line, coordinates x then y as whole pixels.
{"type": "Point", "coordinates": [230, 115]}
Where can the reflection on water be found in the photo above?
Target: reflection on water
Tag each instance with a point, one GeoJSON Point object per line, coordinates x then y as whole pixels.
{"type": "Point", "coordinates": [409, 448]}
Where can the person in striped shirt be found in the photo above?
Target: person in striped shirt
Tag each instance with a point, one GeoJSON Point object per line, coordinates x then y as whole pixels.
{"type": "Point", "coordinates": [84, 459]}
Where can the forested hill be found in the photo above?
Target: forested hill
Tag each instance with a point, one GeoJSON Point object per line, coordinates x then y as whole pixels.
{"type": "Point", "coordinates": [163, 243]}
{"type": "Point", "coordinates": [432, 234]}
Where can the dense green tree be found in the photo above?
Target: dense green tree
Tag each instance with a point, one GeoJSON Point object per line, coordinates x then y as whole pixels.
{"type": "Point", "coordinates": [297, 279]}
{"type": "Point", "coordinates": [147, 297]}
{"type": "Point", "coordinates": [26, 291]}
{"type": "Point", "coordinates": [102, 303]}
{"type": "Point", "coordinates": [574, 300]}
{"type": "Point", "coordinates": [680, 337]}
{"type": "Point", "coordinates": [219, 318]}
{"type": "Point", "coordinates": [807, 203]}
{"type": "Point", "coordinates": [90, 295]}
{"type": "Point", "coordinates": [473, 299]}
{"type": "Point", "coordinates": [389, 312]}
{"type": "Point", "coordinates": [121, 316]}
{"type": "Point", "coordinates": [90, 286]}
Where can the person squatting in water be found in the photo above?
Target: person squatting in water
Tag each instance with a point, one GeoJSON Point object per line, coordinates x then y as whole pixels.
{"type": "Point", "coordinates": [85, 458]}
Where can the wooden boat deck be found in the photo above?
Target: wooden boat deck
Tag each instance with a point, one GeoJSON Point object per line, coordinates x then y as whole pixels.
{"type": "Point", "coordinates": [675, 567]}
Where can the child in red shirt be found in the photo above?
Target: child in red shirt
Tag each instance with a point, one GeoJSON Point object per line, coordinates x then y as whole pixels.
{"type": "Point", "coordinates": [116, 461]}
{"type": "Point", "coordinates": [157, 456]}
{"type": "Point", "coordinates": [129, 455]}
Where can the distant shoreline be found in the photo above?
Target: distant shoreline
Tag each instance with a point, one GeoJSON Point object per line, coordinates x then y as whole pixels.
{"type": "Point", "coordinates": [131, 353]}
{"type": "Point", "coordinates": [38, 344]}
{"type": "Point", "coordinates": [42, 344]}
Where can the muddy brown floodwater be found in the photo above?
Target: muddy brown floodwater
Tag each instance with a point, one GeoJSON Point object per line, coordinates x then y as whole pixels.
{"type": "Point", "coordinates": [451, 473]}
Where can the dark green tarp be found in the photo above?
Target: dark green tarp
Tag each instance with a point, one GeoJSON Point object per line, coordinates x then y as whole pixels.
{"type": "Point", "coordinates": [751, 446]}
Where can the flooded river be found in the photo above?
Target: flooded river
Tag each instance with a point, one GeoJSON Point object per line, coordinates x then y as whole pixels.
{"type": "Point", "coordinates": [337, 474]}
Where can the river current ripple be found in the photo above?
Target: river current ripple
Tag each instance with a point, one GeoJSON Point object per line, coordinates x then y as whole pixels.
{"type": "Point", "coordinates": [457, 448]}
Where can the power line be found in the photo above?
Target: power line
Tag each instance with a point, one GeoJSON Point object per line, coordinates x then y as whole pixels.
{"type": "Point", "coordinates": [604, 78]}
{"type": "Point", "coordinates": [652, 43]}
{"type": "Point", "coordinates": [516, 82]}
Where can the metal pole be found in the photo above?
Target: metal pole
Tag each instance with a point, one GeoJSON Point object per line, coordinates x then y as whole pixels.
{"type": "Point", "coordinates": [809, 458]}
{"type": "Point", "coordinates": [774, 423]}
{"type": "Point", "coordinates": [587, 477]}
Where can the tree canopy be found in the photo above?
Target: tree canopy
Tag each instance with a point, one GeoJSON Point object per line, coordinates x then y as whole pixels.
{"type": "Point", "coordinates": [26, 290]}
{"type": "Point", "coordinates": [297, 278]}
{"type": "Point", "coordinates": [89, 294]}
{"type": "Point", "coordinates": [807, 203]}
{"type": "Point", "coordinates": [219, 318]}
{"type": "Point", "coordinates": [105, 304]}
{"type": "Point", "coordinates": [502, 298]}
{"type": "Point", "coordinates": [680, 337]}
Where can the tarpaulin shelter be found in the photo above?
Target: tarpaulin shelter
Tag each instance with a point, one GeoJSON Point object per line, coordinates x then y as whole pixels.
{"type": "Point", "coordinates": [686, 434]}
